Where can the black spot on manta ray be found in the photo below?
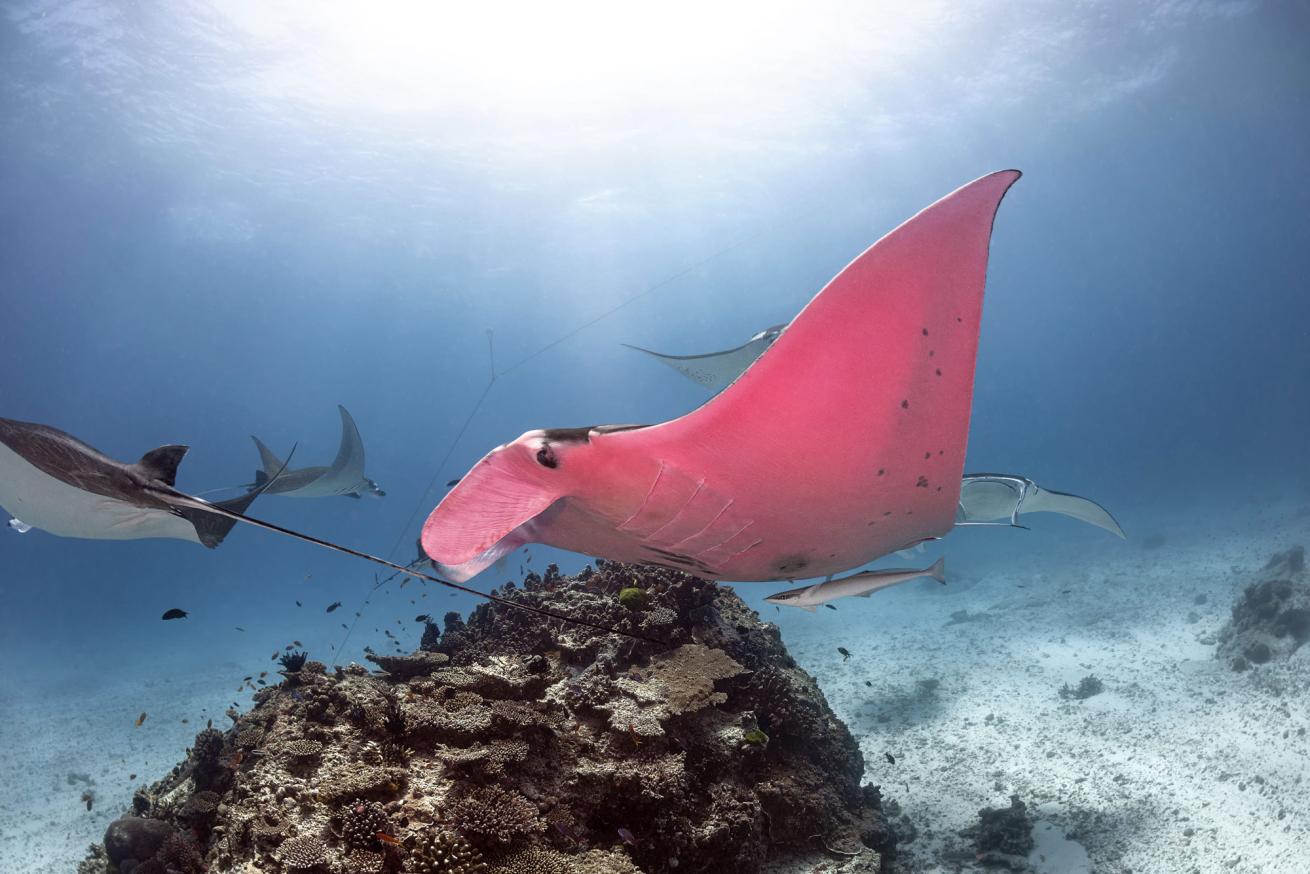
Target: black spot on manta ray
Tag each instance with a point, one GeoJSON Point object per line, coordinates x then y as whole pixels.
{"type": "Point", "coordinates": [881, 471]}
{"type": "Point", "coordinates": [927, 455]}
{"type": "Point", "coordinates": [922, 483]}
{"type": "Point", "coordinates": [939, 371]}
{"type": "Point", "coordinates": [925, 332]}
{"type": "Point", "coordinates": [905, 405]}
{"type": "Point", "coordinates": [793, 563]}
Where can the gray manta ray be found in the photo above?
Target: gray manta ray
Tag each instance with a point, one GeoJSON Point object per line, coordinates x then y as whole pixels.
{"type": "Point", "coordinates": [999, 498]}
{"type": "Point", "coordinates": [53, 481]}
{"type": "Point", "coordinates": [344, 478]}
{"type": "Point", "coordinates": [717, 370]}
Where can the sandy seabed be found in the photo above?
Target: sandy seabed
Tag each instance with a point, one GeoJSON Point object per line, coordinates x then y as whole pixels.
{"type": "Point", "coordinates": [1180, 765]}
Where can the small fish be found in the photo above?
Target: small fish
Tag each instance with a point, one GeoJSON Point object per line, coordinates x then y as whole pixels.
{"type": "Point", "coordinates": [247, 679]}
{"type": "Point", "coordinates": [890, 758]}
{"type": "Point", "coordinates": [298, 604]}
{"type": "Point", "coordinates": [387, 839]}
{"type": "Point", "coordinates": [238, 628]}
{"type": "Point", "coordinates": [452, 483]}
{"type": "Point", "coordinates": [140, 719]}
{"type": "Point", "coordinates": [131, 776]}
{"type": "Point", "coordinates": [845, 653]}
{"type": "Point", "coordinates": [422, 617]}
{"type": "Point", "coordinates": [296, 643]}
{"type": "Point", "coordinates": [334, 605]}
{"type": "Point", "coordinates": [185, 721]}
{"type": "Point", "coordinates": [627, 837]}
{"type": "Point", "coordinates": [345, 626]}
{"type": "Point", "coordinates": [289, 647]}
{"type": "Point", "coordinates": [237, 760]}
{"type": "Point", "coordinates": [830, 607]}
{"type": "Point", "coordinates": [275, 655]}
{"type": "Point", "coordinates": [22, 528]}
{"type": "Point", "coordinates": [89, 798]}
{"type": "Point", "coordinates": [174, 614]}
{"type": "Point", "coordinates": [263, 674]}
{"type": "Point", "coordinates": [868, 683]}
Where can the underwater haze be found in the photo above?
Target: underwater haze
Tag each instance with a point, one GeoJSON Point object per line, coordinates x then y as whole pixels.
{"type": "Point", "coordinates": [223, 218]}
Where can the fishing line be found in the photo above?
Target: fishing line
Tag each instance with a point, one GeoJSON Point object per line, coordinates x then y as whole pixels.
{"type": "Point", "coordinates": [326, 544]}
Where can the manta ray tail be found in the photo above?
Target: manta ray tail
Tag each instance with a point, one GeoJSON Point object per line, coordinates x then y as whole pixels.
{"type": "Point", "coordinates": [232, 516]}
{"type": "Point", "coordinates": [213, 527]}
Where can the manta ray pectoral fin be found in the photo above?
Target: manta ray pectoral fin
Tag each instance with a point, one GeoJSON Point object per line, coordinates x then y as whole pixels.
{"type": "Point", "coordinates": [161, 464]}
{"type": "Point", "coordinates": [350, 454]}
{"type": "Point", "coordinates": [1042, 500]}
{"type": "Point", "coordinates": [272, 464]}
{"type": "Point", "coordinates": [482, 513]}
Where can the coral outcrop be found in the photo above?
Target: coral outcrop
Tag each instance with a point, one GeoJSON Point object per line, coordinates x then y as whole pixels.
{"type": "Point", "coordinates": [513, 744]}
{"type": "Point", "coordinates": [1271, 619]}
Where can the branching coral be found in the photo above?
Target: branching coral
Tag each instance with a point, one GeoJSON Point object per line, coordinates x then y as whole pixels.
{"type": "Point", "coordinates": [360, 823]}
{"type": "Point", "coordinates": [302, 853]}
{"type": "Point", "coordinates": [493, 814]}
{"type": "Point", "coordinates": [442, 852]}
{"type": "Point", "coordinates": [534, 861]}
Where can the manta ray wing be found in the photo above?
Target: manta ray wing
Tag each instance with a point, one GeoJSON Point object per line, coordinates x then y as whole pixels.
{"type": "Point", "coordinates": [1083, 509]}
{"type": "Point", "coordinates": [717, 370]}
{"type": "Point", "coordinates": [348, 466]}
{"type": "Point", "coordinates": [844, 442]}
{"type": "Point", "coordinates": [847, 440]}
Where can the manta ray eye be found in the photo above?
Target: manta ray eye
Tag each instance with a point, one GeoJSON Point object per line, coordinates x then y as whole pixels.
{"type": "Point", "coordinates": [546, 458]}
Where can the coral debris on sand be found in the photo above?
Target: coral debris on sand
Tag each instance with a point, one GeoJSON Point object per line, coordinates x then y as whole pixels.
{"type": "Point", "coordinates": [514, 744]}
{"type": "Point", "coordinates": [1271, 620]}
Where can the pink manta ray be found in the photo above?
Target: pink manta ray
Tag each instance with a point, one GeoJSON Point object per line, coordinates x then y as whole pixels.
{"type": "Point", "coordinates": [844, 442]}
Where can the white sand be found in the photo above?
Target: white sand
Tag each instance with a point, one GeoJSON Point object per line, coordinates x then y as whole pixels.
{"type": "Point", "coordinates": [86, 725]}
{"type": "Point", "coordinates": [1176, 743]}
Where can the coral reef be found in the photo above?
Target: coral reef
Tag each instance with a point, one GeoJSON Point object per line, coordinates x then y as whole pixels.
{"type": "Point", "coordinates": [509, 744]}
{"type": "Point", "coordinates": [1087, 687]}
{"type": "Point", "coordinates": [1004, 835]}
{"type": "Point", "coordinates": [1271, 619]}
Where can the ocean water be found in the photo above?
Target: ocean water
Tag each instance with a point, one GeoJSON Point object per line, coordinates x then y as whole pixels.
{"type": "Point", "coordinates": [220, 219]}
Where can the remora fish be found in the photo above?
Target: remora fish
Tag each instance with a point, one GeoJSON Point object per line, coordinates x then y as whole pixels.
{"type": "Point", "coordinates": [860, 585]}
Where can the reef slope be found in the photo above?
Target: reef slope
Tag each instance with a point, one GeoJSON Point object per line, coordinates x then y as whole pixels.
{"type": "Point", "coordinates": [512, 744]}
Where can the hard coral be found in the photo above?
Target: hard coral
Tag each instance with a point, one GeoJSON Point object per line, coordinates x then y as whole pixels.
{"type": "Point", "coordinates": [493, 814]}
{"type": "Point", "coordinates": [302, 853]}
{"type": "Point", "coordinates": [441, 852]}
{"type": "Point", "coordinates": [534, 861]}
{"type": "Point", "coordinates": [360, 823]}
{"type": "Point", "coordinates": [689, 674]}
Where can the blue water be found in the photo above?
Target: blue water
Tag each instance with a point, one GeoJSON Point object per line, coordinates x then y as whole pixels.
{"type": "Point", "coordinates": [214, 224]}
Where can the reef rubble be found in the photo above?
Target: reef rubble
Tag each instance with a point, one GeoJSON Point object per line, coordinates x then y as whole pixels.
{"type": "Point", "coordinates": [1271, 619]}
{"type": "Point", "coordinates": [514, 744]}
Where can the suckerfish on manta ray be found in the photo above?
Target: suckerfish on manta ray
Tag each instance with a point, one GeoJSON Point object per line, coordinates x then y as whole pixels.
{"type": "Point", "coordinates": [53, 481]}
{"type": "Point", "coordinates": [860, 585]}
{"type": "Point", "coordinates": [344, 478]}
{"type": "Point", "coordinates": [843, 442]}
